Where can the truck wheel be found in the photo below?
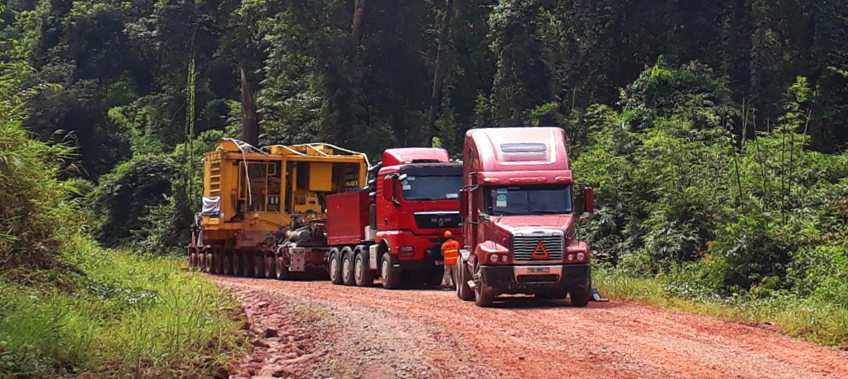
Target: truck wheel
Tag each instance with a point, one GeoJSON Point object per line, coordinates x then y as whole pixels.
{"type": "Point", "coordinates": [236, 267]}
{"type": "Point", "coordinates": [390, 277]}
{"type": "Point", "coordinates": [581, 298]}
{"type": "Point", "coordinates": [282, 270]}
{"type": "Point", "coordinates": [348, 277]}
{"type": "Point", "coordinates": [270, 267]}
{"type": "Point", "coordinates": [364, 276]}
{"type": "Point", "coordinates": [258, 266]}
{"type": "Point", "coordinates": [463, 290]}
{"type": "Point", "coordinates": [434, 277]}
{"type": "Point", "coordinates": [228, 266]}
{"type": "Point", "coordinates": [335, 267]}
{"type": "Point", "coordinates": [482, 297]}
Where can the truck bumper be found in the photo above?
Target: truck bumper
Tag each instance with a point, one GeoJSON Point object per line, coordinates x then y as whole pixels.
{"type": "Point", "coordinates": [432, 260]}
{"type": "Point", "coordinates": [556, 279]}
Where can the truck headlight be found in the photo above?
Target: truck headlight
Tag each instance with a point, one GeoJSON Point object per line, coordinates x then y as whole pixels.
{"type": "Point", "coordinates": [570, 257]}
{"type": "Point", "coordinates": [504, 258]}
{"type": "Point", "coordinates": [581, 256]}
{"type": "Point", "coordinates": [493, 258]}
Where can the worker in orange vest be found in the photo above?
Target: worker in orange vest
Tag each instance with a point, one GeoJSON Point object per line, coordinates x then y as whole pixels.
{"type": "Point", "coordinates": [450, 251]}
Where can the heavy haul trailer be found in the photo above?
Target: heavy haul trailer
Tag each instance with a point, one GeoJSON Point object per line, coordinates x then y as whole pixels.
{"type": "Point", "coordinates": [274, 223]}
{"type": "Point", "coordinates": [395, 229]}
{"type": "Point", "coordinates": [519, 218]}
{"type": "Point", "coordinates": [263, 212]}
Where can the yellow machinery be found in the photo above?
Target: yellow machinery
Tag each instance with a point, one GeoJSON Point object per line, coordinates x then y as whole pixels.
{"type": "Point", "coordinates": [254, 202]}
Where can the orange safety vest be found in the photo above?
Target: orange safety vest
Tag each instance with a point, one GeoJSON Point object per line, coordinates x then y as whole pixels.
{"type": "Point", "coordinates": [450, 250]}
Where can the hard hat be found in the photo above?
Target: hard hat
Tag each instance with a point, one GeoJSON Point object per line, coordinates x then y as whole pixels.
{"type": "Point", "coordinates": [447, 234]}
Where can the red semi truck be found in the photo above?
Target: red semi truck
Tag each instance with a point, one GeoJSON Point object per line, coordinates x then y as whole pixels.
{"type": "Point", "coordinates": [395, 226]}
{"type": "Point", "coordinates": [518, 218]}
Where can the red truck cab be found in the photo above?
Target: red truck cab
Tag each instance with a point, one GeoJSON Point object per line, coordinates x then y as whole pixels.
{"type": "Point", "coordinates": [413, 200]}
{"type": "Point", "coordinates": [518, 218]}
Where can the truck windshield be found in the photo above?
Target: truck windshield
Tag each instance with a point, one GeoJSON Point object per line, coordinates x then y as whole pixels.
{"type": "Point", "coordinates": [419, 188]}
{"type": "Point", "coordinates": [528, 200]}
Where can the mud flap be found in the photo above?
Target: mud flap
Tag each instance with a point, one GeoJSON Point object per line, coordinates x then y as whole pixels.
{"type": "Point", "coordinates": [596, 296]}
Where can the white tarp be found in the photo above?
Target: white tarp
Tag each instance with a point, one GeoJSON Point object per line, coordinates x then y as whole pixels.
{"type": "Point", "coordinates": [211, 206]}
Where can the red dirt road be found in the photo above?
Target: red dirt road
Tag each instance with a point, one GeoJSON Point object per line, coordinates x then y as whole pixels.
{"type": "Point", "coordinates": [375, 333]}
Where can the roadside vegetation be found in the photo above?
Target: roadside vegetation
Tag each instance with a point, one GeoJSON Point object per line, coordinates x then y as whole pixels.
{"type": "Point", "coordinates": [68, 306]}
{"type": "Point", "coordinates": [748, 225]}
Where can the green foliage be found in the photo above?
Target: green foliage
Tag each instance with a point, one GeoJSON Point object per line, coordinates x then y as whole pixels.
{"type": "Point", "coordinates": [680, 195]}
{"type": "Point", "coordinates": [133, 313]}
{"type": "Point", "coordinates": [35, 213]}
{"type": "Point", "coordinates": [122, 199]}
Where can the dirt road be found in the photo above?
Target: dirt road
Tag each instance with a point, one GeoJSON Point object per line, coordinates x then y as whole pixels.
{"type": "Point", "coordinates": [375, 333]}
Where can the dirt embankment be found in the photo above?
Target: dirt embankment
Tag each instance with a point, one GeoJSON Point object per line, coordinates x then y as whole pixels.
{"type": "Point", "coordinates": [348, 332]}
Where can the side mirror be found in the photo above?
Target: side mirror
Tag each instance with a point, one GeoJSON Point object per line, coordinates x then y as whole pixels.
{"type": "Point", "coordinates": [589, 195]}
{"type": "Point", "coordinates": [388, 190]}
{"type": "Point", "coordinates": [372, 183]}
{"type": "Point", "coordinates": [394, 181]}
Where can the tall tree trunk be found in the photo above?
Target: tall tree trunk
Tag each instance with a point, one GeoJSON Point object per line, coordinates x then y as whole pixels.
{"type": "Point", "coordinates": [439, 75]}
{"type": "Point", "coordinates": [249, 121]}
{"type": "Point", "coordinates": [358, 14]}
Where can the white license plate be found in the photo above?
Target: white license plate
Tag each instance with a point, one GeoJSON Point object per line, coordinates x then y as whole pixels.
{"type": "Point", "coordinates": [439, 263]}
{"type": "Point", "coordinates": [539, 270]}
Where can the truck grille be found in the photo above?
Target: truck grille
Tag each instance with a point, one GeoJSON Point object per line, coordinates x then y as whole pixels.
{"type": "Point", "coordinates": [437, 220]}
{"type": "Point", "coordinates": [524, 246]}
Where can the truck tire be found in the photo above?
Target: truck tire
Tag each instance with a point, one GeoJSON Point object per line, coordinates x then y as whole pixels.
{"type": "Point", "coordinates": [390, 276]}
{"type": "Point", "coordinates": [258, 265]}
{"type": "Point", "coordinates": [247, 265]}
{"type": "Point", "coordinates": [335, 269]}
{"type": "Point", "coordinates": [281, 269]}
{"type": "Point", "coordinates": [348, 277]}
{"type": "Point", "coordinates": [364, 276]}
{"type": "Point", "coordinates": [236, 262]}
{"type": "Point", "coordinates": [463, 290]}
{"type": "Point", "coordinates": [581, 298]}
{"type": "Point", "coordinates": [482, 297]}
{"type": "Point", "coordinates": [207, 263]}
{"type": "Point", "coordinates": [434, 277]}
{"type": "Point", "coordinates": [216, 262]}
{"type": "Point", "coordinates": [270, 267]}
{"type": "Point", "coordinates": [228, 266]}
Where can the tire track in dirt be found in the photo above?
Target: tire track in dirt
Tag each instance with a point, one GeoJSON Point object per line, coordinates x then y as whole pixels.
{"type": "Point", "coordinates": [376, 333]}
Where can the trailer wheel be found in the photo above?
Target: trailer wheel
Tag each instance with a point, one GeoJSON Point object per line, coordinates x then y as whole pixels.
{"type": "Point", "coordinates": [347, 267]}
{"type": "Point", "coordinates": [364, 276]}
{"type": "Point", "coordinates": [482, 296]}
{"type": "Point", "coordinates": [335, 269]}
{"type": "Point", "coordinates": [228, 266]}
{"type": "Point", "coordinates": [390, 276]}
{"type": "Point", "coordinates": [463, 290]}
{"type": "Point", "coordinates": [282, 270]}
{"type": "Point", "coordinates": [236, 266]}
{"type": "Point", "coordinates": [258, 265]}
{"type": "Point", "coordinates": [208, 267]}
{"type": "Point", "coordinates": [270, 267]}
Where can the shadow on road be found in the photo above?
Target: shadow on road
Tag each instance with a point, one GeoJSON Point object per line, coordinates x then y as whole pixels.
{"type": "Point", "coordinates": [530, 303]}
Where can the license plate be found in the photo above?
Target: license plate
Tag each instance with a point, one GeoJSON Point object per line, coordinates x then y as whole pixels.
{"type": "Point", "coordinates": [539, 270]}
{"type": "Point", "coordinates": [439, 263]}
